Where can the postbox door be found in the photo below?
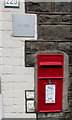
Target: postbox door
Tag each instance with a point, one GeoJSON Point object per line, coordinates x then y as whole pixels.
{"type": "Point", "coordinates": [50, 95]}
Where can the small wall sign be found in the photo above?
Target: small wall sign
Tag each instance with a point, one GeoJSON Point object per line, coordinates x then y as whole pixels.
{"type": "Point", "coordinates": [23, 25]}
{"type": "Point", "coordinates": [12, 3]}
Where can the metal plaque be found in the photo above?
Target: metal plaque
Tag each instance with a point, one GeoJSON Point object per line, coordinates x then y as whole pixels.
{"type": "Point", "coordinates": [23, 25]}
{"type": "Point", "coordinates": [50, 93]}
{"type": "Point", "coordinates": [12, 3]}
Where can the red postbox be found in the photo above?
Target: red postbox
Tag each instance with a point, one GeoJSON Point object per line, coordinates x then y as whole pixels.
{"type": "Point", "coordinates": [49, 82]}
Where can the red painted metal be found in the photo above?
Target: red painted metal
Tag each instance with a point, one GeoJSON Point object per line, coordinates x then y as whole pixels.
{"type": "Point", "coordinates": [50, 71]}
{"type": "Point", "coordinates": [50, 63]}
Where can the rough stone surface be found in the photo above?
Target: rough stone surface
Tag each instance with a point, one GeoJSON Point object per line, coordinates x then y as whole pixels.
{"type": "Point", "coordinates": [70, 69]}
{"type": "Point", "coordinates": [62, 7]}
{"type": "Point", "coordinates": [33, 47]}
{"type": "Point", "coordinates": [53, 32]}
{"type": "Point", "coordinates": [39, 7]}
{"type": "Point", "coordinates": [49, 7]}
{"type": "Point", "coordinates": [65, 47]}
{"type": "Point", "coordinates": [70, 59]}
{"type": "Point", "coordinates": [38, 46]}
{"type": "Point", "coordinates": [45, 19]}
{"type": "Point", "coordinates": [55, 116]}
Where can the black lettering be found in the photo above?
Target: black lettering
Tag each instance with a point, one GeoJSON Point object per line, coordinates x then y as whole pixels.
{"type": "Point", "coordinates": [11, 2]}
{"type": "Point", "coordinates": [15, 1]}
{"type": "Point", "coordinates": [7, 1]}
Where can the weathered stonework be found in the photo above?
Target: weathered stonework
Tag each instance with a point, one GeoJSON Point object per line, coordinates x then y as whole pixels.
{"type": "Point", "coordinates": [45, 46]}
{"type": "Point", "coordinates": [45, 19]}
{"type": "Point", "coordinates": [62, 7]}
{"type": "Point", "coordinates": [39, 7]}
{"type": "Point", "coordinates": [49, 6]}
{"type": "Point", "coordinates": [54, 33]}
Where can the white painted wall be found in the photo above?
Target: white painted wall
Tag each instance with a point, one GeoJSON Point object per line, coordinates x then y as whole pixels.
{"type": "Point", "coordinates": [0, 106]}
{"type": "Point", "coordinates": [0, 57]}
{"type": "Point", "coordinates": [16, 78]}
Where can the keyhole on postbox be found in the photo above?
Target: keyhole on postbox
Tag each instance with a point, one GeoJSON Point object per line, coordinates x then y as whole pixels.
{"type": "Point", "coordinates": [50, 80]}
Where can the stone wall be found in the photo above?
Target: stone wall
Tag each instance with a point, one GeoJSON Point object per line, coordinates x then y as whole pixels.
{"type": "Point", "coordinates": [15, 77]}
{"type": "Point", "coordinates": [54, 33]}
{"type": "Point", "coordinates": [17, 55]}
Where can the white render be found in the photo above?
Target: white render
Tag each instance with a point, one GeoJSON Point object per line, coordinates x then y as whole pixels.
{"type": "Point", "coordinates": [0, 106]}
{"type": "Point", "coordinates": [15, 77]}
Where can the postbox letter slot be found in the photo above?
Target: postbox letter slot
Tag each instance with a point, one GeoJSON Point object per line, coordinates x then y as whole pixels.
{"type": "Point", "coordinates": [50, 63]}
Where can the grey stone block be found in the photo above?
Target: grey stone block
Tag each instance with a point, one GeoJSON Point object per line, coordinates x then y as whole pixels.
{"type": "Point", "coordinates": [54, 119]}
{"type": "Point", "coordinates": [30, 60]}
{"type": "Point", "coordinates": [48, 6]}
{"type": "Point", "coordinates": [70, 89]}
{"type": "Point", "coordinates": [46, 19]}
{"type": "Point", "coordinates": [62, 6]}
{"type": "Point", "coordinates": [39, 6]}
{"type": "Point", "coordinates": [70, 80]}
{"type": "Point", "coordinates": [65, 46]}
{"type": "Point", "coordinates": [71, 6]}
{"type": "Point", "coordinates": [70, 59]}
{"type": "Point", "coordinates": [32, 47]}
{"type": "Point", "coordinates": [54, 32]}
{"type": "Point", "coordinates": [70, 69]}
